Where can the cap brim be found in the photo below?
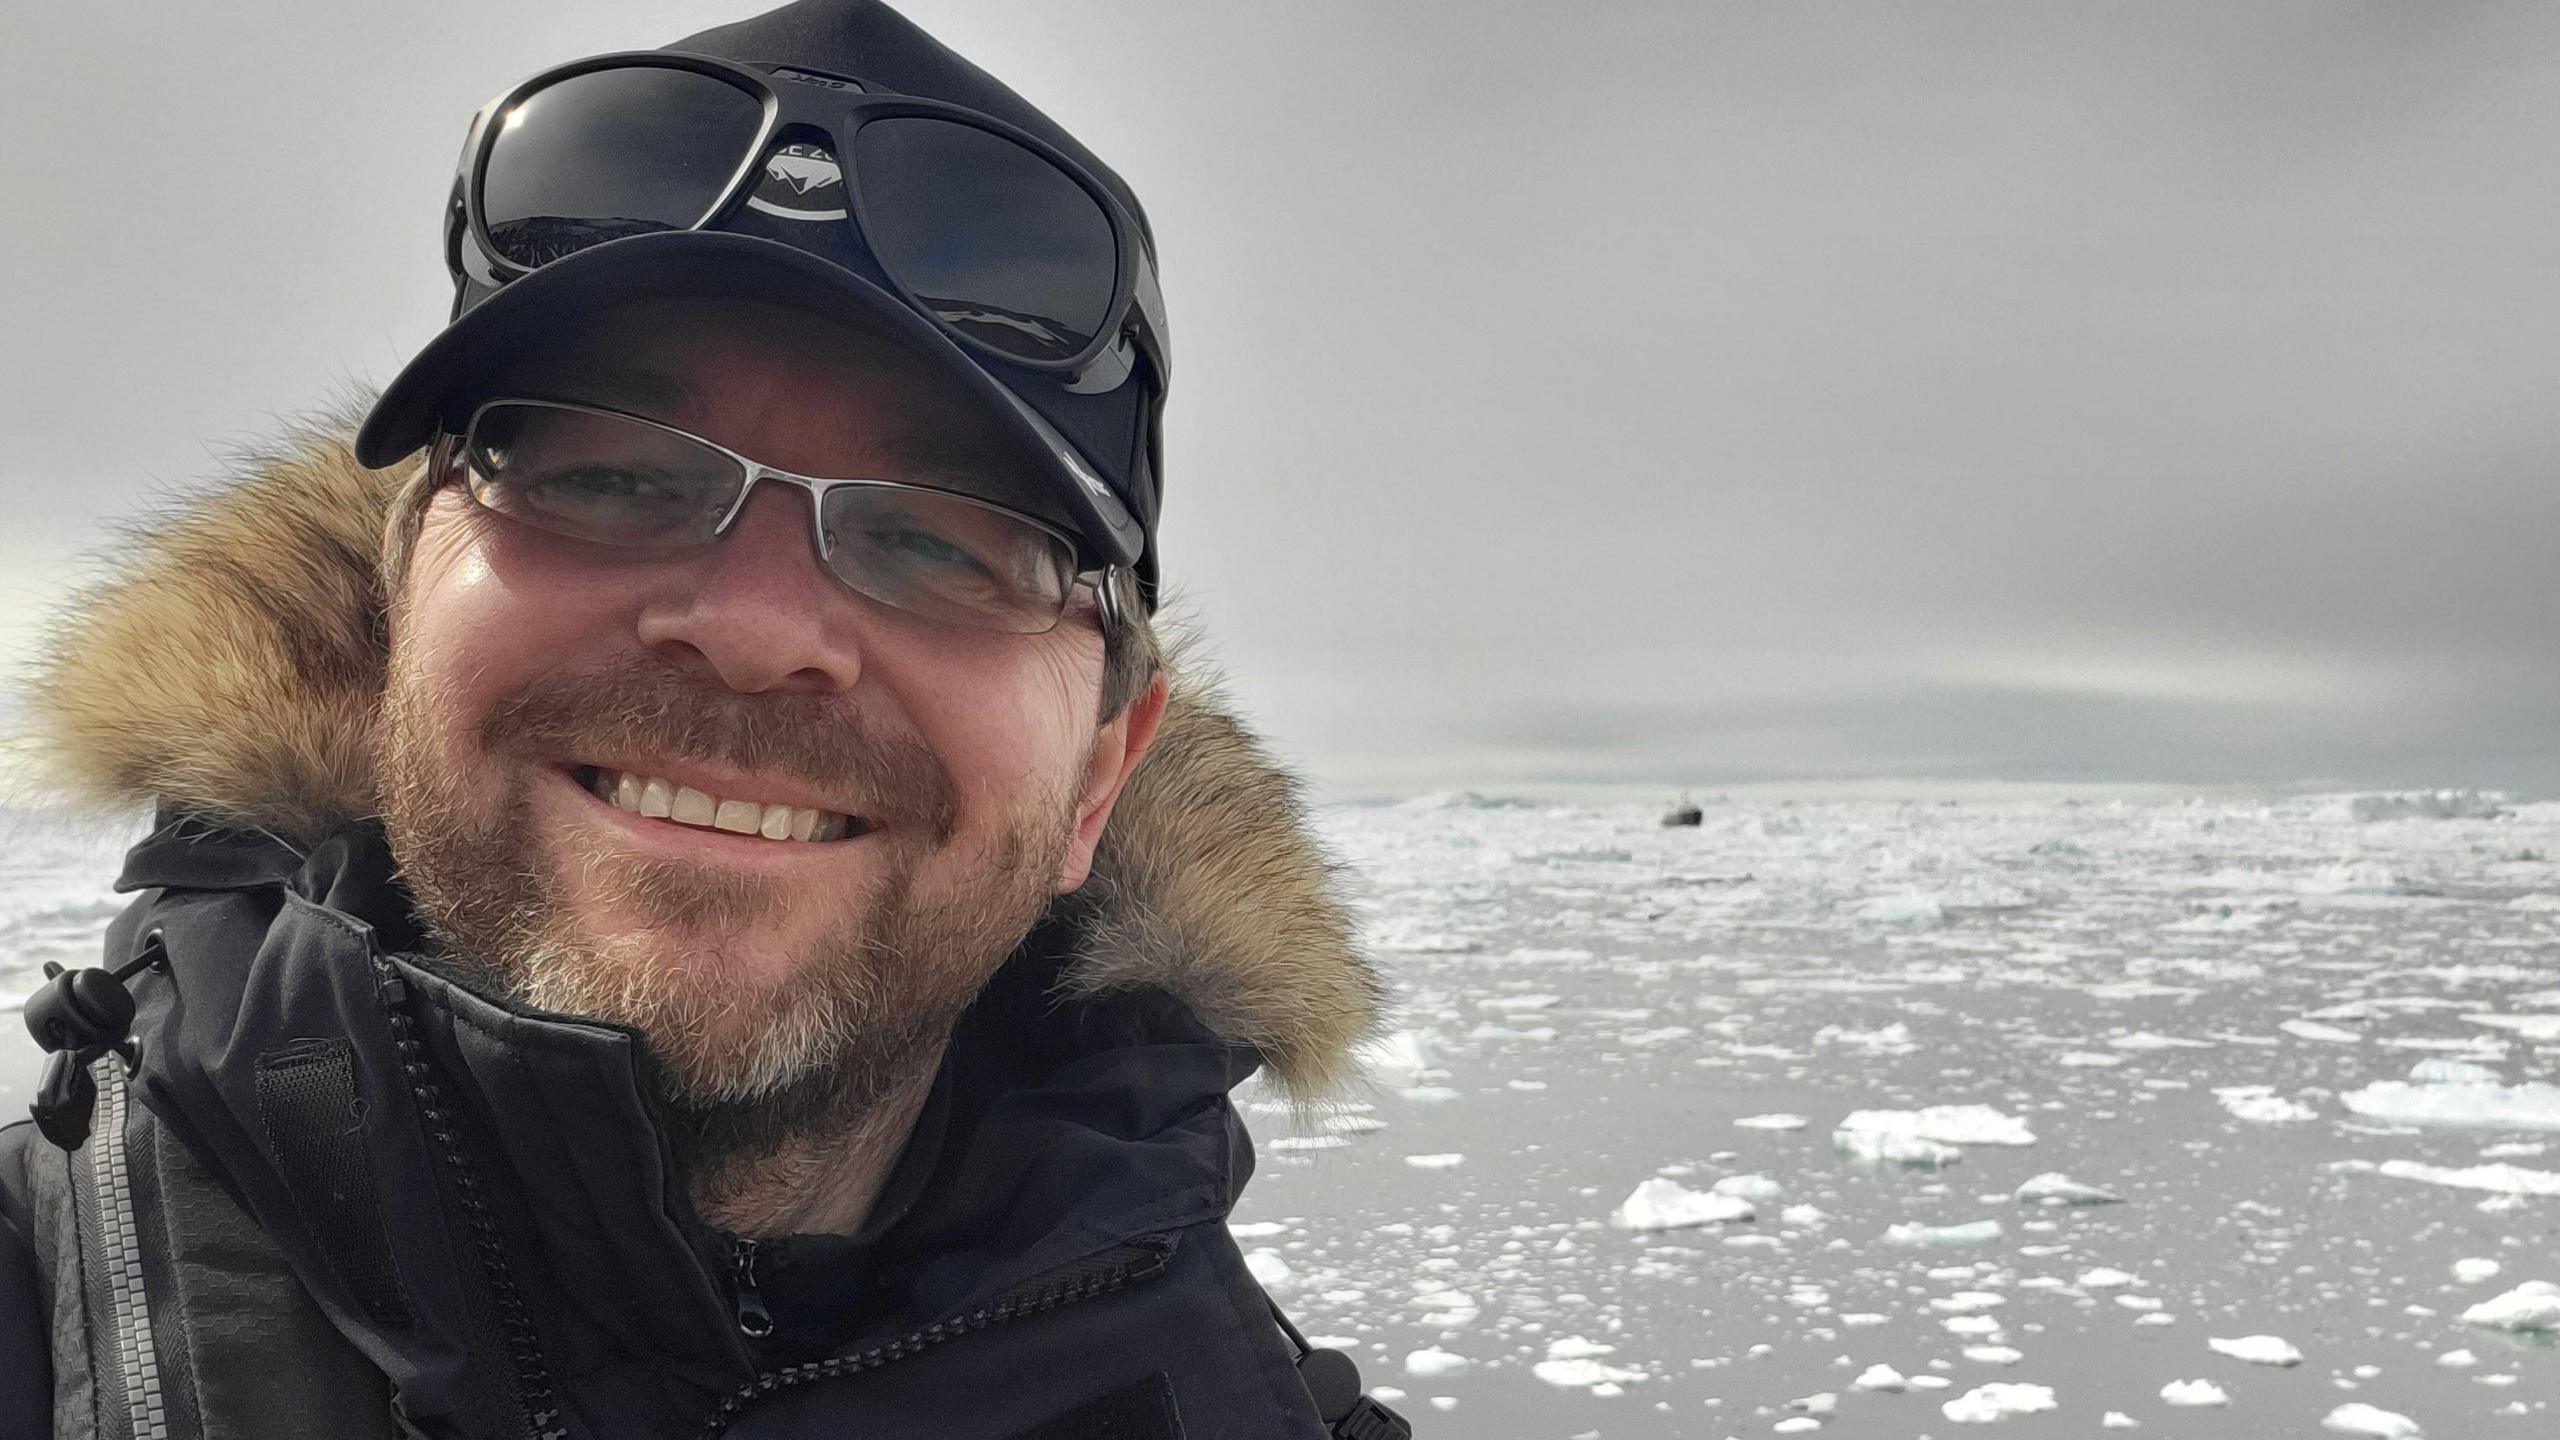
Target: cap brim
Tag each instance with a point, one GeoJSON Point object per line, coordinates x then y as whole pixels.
{"type": "Point", "coordinates": [435, 391]}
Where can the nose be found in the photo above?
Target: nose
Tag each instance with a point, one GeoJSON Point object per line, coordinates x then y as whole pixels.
{"type": "Point", "coordinates": [756, 610]}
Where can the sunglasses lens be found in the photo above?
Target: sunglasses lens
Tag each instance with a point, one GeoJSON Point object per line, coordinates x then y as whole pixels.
{"type": "Point", "coordinates": [947, 558]}
{"type": "Point", "coordinates": [605, 478]}
{"type": "Point", "coordinates": [611, 153]}
{"type": "Point", "coordinates": [1001, 245]}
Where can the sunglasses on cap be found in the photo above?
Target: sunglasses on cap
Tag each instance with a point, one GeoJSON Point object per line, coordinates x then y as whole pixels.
{"type": "Point", "coordinates": [609, 478]}
{"type": "Point", "coordinates": [992, 235]}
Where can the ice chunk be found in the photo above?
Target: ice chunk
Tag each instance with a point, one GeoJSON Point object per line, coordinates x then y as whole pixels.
{"type": "Point", "coordinates": [2118, 1420]}
{"type": "Point", "coordinates": [2499, 1179]}
{"type": "Point", "coordinates": [2257, 1350]}
{"type": "Point", "coordinates": [2453, 1072]}
{"type": "Point", "coordinates": [1944, 1125]}
{"type": "Point", "coordinates": [2540, 1029]}
{"type": "Point", "coordinates": [2261, 1105]}
{"type": "Point", "coordinates": [2103, 1278]}
{"type": "Point", "coordinates": [2533, 1305]}
{"type": "Point", "coordinates": [1575, 1347]}
{"type": "Point", "coordinates": [1433, 1363]}
{"type": "Point", "coordinates": [2145, 1040]}
{"type": "Point", "coordinates": [1993, 1355]}
{"type": "Point", "coordinates": [1583, 1374]}
{"type": "Point", "coordinates": [1435, 1162]}
{"type": "Point", "coordinates": [2314, 1030]}
{"type": "Point", "coordinates": [1979, 1232]}
{"type": "Point", "coordinates": [1880, 1376]}
{"type": "Point", "coordinates": [1997, 1401]}
{"type": "Point", "coordinates": [2358, 1418]}
{"type": "Point", "coordinates": [2457, 1359]}
{"type": "Point", "coordinates": [2055, 1188]}
{"type": "Point", "coordinates": [2473, 1271]}
{"type": "Point", "coordinates": [1771, 1122]}
{"type": "Point", "coordinates": [2429, 805]}
{"type": "Point", "coordinates": [1267, 1267]}
{"type": "Point", "coordinates": [1757, 1188]}
{"type": "Point", "coordinates": [1894, 1147]}
{"type": "Point", "coordinates": [2530, 1106]}
{"type": "Point", "coordinates": [2194, 1392]}
{"type": "Point", "coordinates": [1664, 1204]}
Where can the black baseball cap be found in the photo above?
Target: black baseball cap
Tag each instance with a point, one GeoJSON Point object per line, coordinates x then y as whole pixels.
{"type": "Point", "coordinates": [790, 244]}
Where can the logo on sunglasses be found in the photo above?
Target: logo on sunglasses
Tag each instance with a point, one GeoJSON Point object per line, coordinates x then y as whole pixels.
{"type": "Point", "coordinates": [801, 182]}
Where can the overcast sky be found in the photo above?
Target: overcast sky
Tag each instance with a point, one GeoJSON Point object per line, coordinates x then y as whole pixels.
{"type": "Point", "coordinates": [1672, 394]}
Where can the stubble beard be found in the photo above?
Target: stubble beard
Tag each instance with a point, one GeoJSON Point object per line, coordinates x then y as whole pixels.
{"type": "Point", "coordinates": [764, 1077]}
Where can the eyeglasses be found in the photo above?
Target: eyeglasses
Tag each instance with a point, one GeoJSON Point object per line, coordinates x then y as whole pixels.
{"type": "Point", "coordinates": [614, 479]}
{"type": "Point", "coordinates": [993, 235]}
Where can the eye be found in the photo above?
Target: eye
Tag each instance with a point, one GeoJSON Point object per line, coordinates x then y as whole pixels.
{"type": "Point", "coordinates": [922, 546]}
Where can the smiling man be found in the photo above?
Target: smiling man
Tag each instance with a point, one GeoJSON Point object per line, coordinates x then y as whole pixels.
{"type": "Point", "coordinates": [687, 900]}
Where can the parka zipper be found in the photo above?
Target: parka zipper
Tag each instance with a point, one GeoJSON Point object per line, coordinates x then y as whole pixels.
{"type": "Point", "coordinates": [1113, 1270]}
{"type": "Point", "coordinates": [539, 1407]}
{"type": "Point", "coordinates": [118, 1255]}
{"type": "Point", "coordinates": [754, 1321]}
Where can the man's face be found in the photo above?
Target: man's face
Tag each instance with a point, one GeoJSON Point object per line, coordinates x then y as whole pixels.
{"type": "Point", "coordinates": [529, 670]}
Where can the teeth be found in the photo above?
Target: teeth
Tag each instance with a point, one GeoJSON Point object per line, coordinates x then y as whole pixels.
{"type": "Point", "coordinates": [655, 798]}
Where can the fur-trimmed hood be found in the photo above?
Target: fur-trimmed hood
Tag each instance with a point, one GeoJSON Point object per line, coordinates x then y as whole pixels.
{"type": "Point", "coordinates": [235, 666]}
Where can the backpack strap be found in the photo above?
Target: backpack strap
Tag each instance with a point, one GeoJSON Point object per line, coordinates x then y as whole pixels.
{"type": "Point", "coordinates": [1333, 1382]}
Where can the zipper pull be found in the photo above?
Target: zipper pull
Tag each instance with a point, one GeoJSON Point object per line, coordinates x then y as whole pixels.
{"type": "Point", "coordinates": [754, 1321]}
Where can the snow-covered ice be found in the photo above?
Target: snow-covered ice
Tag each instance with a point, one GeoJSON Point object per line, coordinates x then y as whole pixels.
{"type": "Point", "coordinates": [1665, 1204]}
{"type": "Point", "coordinates": [2258, 1350]}
{"type": "Point", "coordinates": [2194, 1393]}
{"type": "Point", "coordinates": [2055, 1188]}
{"type": "Point", "coordinates": [1998, 1400]}
{"type": "Point", "coordinates": [2357, 1418]}
{"type": "Point", "coordinates": [2529, 1106]}
{"type": "Point", "coordinates": [2533, 1305]}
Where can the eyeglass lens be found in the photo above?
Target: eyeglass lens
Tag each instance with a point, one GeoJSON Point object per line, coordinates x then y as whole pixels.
{"type": "Point", "coordinates": [616, 480]}
{"type": "Point", "coordinates": [990, 237]}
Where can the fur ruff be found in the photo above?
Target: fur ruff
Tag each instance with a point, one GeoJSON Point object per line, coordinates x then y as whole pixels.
{"type": "Point", "coordinates": [235, 667]}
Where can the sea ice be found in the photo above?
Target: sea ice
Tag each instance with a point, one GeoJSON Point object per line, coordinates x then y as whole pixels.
{"type": "Point", "coordinates": [1757, 1188]}
{"type": "Point", "coordinates": [2533, 1305]}
{"type": "Point", "coordinates": [1435, 1162]}
{"type": "Point", "coordinates": [1997, 1401]}
{"type": "Point", "coordinates": [1664, 1204]}
{"type": "Point", "coordinates": [2145, 1040]}
{"type": "Point", "coordinates": [2314, 1030]}
{"type": "Point", "coordinates": [2499, 1179]}
{"type": "Point", "coordinates": [1992, 1355]}
{"type": "Point", "coordinates": [1894, 1147]}
{"type": "Point", "coordinates": [1880, 1376]}
{"type": "Point", "coordinates": [2260, 1104]}
{"type": "Point", "coordinates": [1583, 1374]}
{"type": "Point", "coordinates": [2358, 1418]}
{"type": "Point", "coordinates": [2055, 1188]}
{"type": "Point", "coordinates": [1979, 1232]}
{"type": "Point", "coordinates": [2540, 1029]}
{"type": "Point", "coordinates": [2530, 1106]}
{"type": "Point", "coordinates": [1267, 1267]}
{"type": "Point", "coordinates": [2257, 1350]}
{"type": "Point", "coordinates": [2103, 1278]}
{"type": "Point", "coordinates": [2118, 1420]}
{"type": "Point", "coordinates": [2457, 1359]}
{"type": "Point", "coordinates": [2194, 1392]}
{"type": "Point", "coordinates": [1771, 1122]}
{"type": "Point", "coordinates": [1941, 1124]}
{"type": "Point", "coordinates": [1575, 1347]}
{"type": "Point", "coordinates": [2453, 1072]}
{"type": "Point", "coordinates": [1433, 1363]}
{"type": "Point", "coordinates": [2473, 1271]}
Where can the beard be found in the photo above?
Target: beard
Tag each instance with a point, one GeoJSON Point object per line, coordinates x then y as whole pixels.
{"type": "Point", "coordinates": [750, 1066]}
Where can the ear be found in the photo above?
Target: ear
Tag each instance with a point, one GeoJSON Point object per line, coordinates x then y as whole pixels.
{"type": "Point", "coordinates": [1117, 749]}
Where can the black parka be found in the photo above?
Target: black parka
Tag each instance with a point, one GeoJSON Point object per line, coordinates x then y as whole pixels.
{"type": "Point", "coordinates": [346, 1192]}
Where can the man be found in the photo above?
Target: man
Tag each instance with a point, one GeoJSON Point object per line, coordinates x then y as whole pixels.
{"type": "Point", "coordinates": [688, 904]}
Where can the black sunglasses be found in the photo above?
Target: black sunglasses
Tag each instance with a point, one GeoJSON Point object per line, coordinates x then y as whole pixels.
{"type": "Point", "coordinates": [996, 237]}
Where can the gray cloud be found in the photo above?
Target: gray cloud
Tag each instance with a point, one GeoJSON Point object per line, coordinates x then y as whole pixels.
{"type": "Point", "coordinates": [1633, 392]}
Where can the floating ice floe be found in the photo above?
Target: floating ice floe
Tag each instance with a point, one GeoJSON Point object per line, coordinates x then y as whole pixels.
{"type": "Point", "coordinates": [2055, 1188]}
{"type": "Point", "coordinates": [1267, 1267]}
{"type": "Point", "coordinates": [2105, 1278]}
{"type": "Point", "coordinates": [2471, 1271]}
{"type": "Point", "coordinates": [1998, 1400]}
{"type": "Point", "coordinates": [2257, 1350]}
{"type": "Point", "coordinates": [1893, 1039]}
{"type": "Point", "coordinates": [1979, 1232]}
{"type": "Point", "coordinates": [2438, 1071]}
{"type": "Point", "coordinates": [1756, 1188]}
{"type": "Point", "coordinates": [2457, 1359]}
{"type": "Point", "coordinates": [1665, 1204]}
{"type": "Point", "coordinates": [2314, 1030]}
{"type": "Point", "coordinates": [2499, 1179]}
{"type": "Point", "coordinates": [1575, 1347]}
{"type": "Point", "coordinates": [1770, 1122]}
{"type": "Point", "coordinates": [2118, 1420]}
{"type": "Point", "coordinates": [1306, 1142]}
{"type": "Point", "coordinates": [2533, 1305]}
{"type": "Point", "coordinates": [2145, 1040]}
{"type": "Point", "coordinates": [1435, 1162]}
{"type": "Point", "coordinates": [1434, 1362]}
{"type": "Point", "coordinates": [2261, 1105]}
{"type": "Point", "coordinates": [1880, 1377]}
{"type": "Point", "coordinates": [2429, 805]}
{"type": "Point", "coordinates": [2194, 1393]}
{"type": "Point", "coordinates": [2358, 1418]}
{"type": "Point", "coordinates": [1585, 1375]}
{"type": "Point", "coordinates": [2530, 1106]}
{"type": "Point", "coordinates": [2540, 1029]}
{"type": "Point", "coordinates": [1926, 1137]}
